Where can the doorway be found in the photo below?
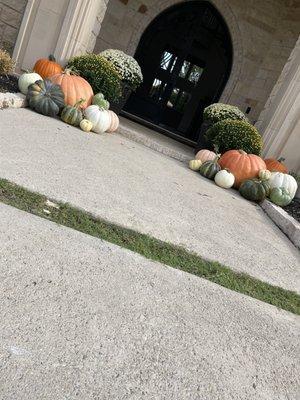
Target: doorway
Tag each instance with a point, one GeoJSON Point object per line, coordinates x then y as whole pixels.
{"type": "Point", "coordinates": [185, 55]}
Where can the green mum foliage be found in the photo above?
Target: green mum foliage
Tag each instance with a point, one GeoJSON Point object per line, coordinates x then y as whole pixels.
{"type": "Point", "coordinates": [100, 74]}
{"type": "Point", "coordinates": [235, 135]}
{"type": "Point", "coordinates": [218, 112]}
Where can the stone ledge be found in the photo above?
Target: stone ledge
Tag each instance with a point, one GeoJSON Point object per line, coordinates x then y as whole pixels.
{"type": "Point", "coordinates": [12, 100]}
{"type": "Point", "coordinates": [284, 221]}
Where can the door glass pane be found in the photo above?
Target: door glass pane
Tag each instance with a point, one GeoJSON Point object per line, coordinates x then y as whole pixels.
{"type": "Point", "coordinates": [195, 74]}
{"type": "Point", "coordinates": [157, 89]}
{"type": "Point", "coordinates": [185, 69]}
{"type": "Point", "coordinates": [178, 100]}
{"type": "Point", "coordinates": [167, 61]}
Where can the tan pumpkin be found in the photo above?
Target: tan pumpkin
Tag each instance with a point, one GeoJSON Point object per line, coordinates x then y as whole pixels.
{"type": "Point", "coordinates": [205, 155]}
{"type": "Point", "coordinates": [242, 165]}
{"type": "Point", "coordinates": [276, 165]}
{"type": "Point", "coordinates": [114, 124]}
{"type": "Point", "coordinates": [74, 87]}
{"type": "Point", "coordinates": [47, 67]}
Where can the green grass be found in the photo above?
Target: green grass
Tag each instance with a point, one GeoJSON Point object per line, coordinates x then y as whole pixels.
{"type": "Point", "coordinates": [149, 247]}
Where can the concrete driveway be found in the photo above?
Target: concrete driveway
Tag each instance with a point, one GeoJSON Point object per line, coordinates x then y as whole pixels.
{"type": "Point", "coordinates": [134, 186]}
{"type": "Point", "coordinates": [84, 319]}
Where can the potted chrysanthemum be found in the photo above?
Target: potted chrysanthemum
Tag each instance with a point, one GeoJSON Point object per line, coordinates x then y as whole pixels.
{"type": "Point", "coordinates": [130, 72]}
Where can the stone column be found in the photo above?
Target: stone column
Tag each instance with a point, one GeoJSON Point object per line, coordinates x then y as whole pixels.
{"type": "Point", "coordinates": [279, 121]}
{"type": "Point", "coordinates": [80, 28]}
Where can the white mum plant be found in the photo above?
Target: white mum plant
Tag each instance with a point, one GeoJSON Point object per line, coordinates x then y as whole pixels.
{"type": "Point", "coordinates": [126, 65]}
{"type": "Point", "coordinates": [218, 112]}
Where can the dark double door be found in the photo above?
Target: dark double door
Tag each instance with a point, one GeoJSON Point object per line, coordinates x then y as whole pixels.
{"type": "Point", "coordinates": [185, 56]}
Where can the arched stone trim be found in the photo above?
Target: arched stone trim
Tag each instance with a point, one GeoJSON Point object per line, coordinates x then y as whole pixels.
{"type": "Point", "coordinates": [225, 10]}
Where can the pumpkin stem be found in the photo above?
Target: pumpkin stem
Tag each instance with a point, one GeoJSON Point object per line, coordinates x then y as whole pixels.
{"type": "Point", "coordinates": [281, 159]}
{"type": "Point", "coordinates": [215, 160]}
{"type": "Point", "coordinates": [79, 103]}
{"type": "Point", "coordinates": [70, 71]}
{"type": "Point", "coordinates": [242, 152]}
{"type": "Point", "coordinates": [216, 148]}
{"type": "Point", "coordinates": [51, 58]}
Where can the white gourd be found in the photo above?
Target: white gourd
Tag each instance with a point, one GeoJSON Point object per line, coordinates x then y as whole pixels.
{"type": "Point", "coordinates": [264, 174]}
{"type": "Point", "coordinates": [195, 165]}
{"type": "Point", "coordinates": [278, 179]}
{"type": "Point", "coordinates": [224, 179]}
{"type": "Point", "coordinates": [27, 79]}
{"type": "Point", "coordinates": [99, 118]}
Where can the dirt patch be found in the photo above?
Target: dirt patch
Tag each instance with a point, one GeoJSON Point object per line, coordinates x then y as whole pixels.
{"type": "Point", "coordinates": [9, 84]}
{"type": "Point", "coordinates": [293, 209]}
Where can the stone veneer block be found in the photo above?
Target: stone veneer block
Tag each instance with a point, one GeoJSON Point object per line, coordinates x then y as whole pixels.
{"type": "Point", "coordinates": [12, 100]}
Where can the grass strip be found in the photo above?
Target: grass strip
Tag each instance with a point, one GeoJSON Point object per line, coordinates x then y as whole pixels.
{"type": "Point", "coordinates": [147, 246]}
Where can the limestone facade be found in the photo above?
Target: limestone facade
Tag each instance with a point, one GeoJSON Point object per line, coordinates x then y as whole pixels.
{"type": "Point", "coordinates": [265, 73]}
{"type": "Point", "coordinates": [11, 15]}
{"type": "Point", "coordinates": [263, 35]}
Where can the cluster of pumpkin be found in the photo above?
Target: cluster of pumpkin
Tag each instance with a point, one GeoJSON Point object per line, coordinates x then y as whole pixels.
{"type": "Point", "coordinates": [50, 91]}
{"type": "Point", "coordinates": [254, 177]}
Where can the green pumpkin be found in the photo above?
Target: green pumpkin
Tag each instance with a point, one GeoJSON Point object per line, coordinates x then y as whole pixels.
{"type": "Point", "coordinates": [100, 101]}
{"type": "Point", "coordinates": [45, 97]}
{"type": "Point", "coordinates": [72, 115]}
{"type": "Point", "coordinates": [267, 186]}
{"type": "Point", "coordinates": [210, 168]}
{"type": "Point", "coordinates": [254, 190]}
{"type": "Point", "coordinates": [280, 196]}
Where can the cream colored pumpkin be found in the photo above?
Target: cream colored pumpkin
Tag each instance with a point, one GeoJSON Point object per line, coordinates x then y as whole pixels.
{"type": "Point", "coordinates": [195, 165]}
{"type": "Point", "coordinates": [114, 125]}
{"type": "Point", "coordinates": [205, 155]}
{"type": "Point", "coordinates": [100, 118]}
{"type": "Point", "coordinates": [86, 125]}
{"type": "Point", "coordinates": [264, 174]}
{"type": "Point", "coordinates": [27, 79]}
{"type": "Point", "coordinates": [224, 179]}
{"type": "Point", "coordinates": [281, 180]}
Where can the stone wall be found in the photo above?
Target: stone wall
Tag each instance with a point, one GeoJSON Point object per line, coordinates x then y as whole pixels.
{"type": "Point", "coordinates": [263, 32]}
{"type": "Point", "coordinates": [11, 13]}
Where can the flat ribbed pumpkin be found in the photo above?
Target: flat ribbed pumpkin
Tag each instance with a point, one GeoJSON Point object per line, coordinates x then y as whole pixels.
{"type": "Point", "coordinates": [114, 124]}
{"type": "Point", "coordinates": [276, 165]}
{"type": "Point", "coordinates": [47, 67]}
{"type": "Point", "coordinates": [242, 165]}
{"type": "Point", "coordinates": [74, 87]}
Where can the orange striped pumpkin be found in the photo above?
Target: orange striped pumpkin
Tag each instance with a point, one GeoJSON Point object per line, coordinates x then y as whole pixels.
{"type": "Point", "coordinates": [74, 87]}
{"type": "Point", "coordinates": [47, 67]}
{"type": "Point", "coordinates": [242, 165]}
{"type": "Point", "coordinates": [276, 165]}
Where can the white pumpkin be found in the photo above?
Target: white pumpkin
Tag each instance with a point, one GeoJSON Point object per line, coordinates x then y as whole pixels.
{"type": "Point", "coordinates": [100, 118]}
{"type": "Point", "coordinates": [264, 174]}
{"type": "Point", "coordinates": [195, 165]}
{"type": "Point", "coordinates": [27, 79]}
{"type": "Point", "coordinates": [114, 124]}
{"type": "Point", "coordinates": [278, 179]}
{"type": "Point", "coordinates": [224, 179]}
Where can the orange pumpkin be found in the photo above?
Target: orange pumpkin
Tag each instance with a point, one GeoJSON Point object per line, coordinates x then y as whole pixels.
{"type": "Point", "coordinates": [47, 67]}
{"type": "Point", "coordinates": [74, 87]}
{"type": "Point", "coordinates": [242, 165]}
{"type": "Point", "coordinates": [276, 165]}
{"type": "Point", "coordinates": [114, 124]}
{"type": "Point", "coordinates": [205, 155]}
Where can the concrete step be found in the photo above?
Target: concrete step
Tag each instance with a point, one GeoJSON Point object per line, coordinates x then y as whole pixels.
{"type": "Point", "coordinates": [136, 187]}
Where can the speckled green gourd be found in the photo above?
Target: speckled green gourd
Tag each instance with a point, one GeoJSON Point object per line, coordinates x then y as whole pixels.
{"type": "Point", "coordinates": [254, 190]}
{"type": "Point", "coordinates": [100, 101]}
{"type": "Point", "coordinates": [210, 168]}
{"type": "Point", "coordinates": [72, 115]}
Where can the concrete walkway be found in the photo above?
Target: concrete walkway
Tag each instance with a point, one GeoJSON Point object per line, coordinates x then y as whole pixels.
{"type": "Point", "coordinates": [132, 185]}
{"type": "Point", "coordinates": [84, 319]}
